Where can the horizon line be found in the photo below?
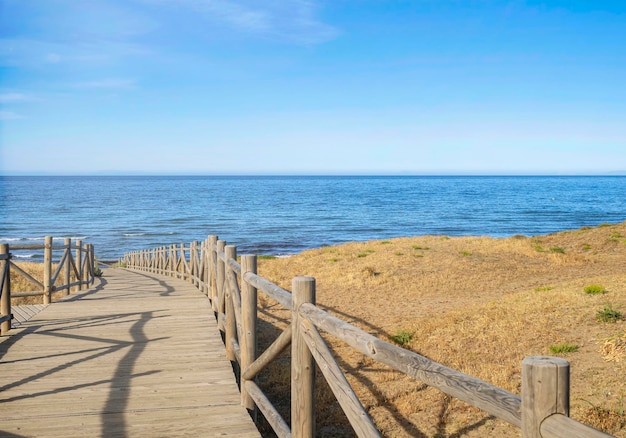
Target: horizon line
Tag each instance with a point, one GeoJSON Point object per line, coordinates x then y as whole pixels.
{"type": "Point", "coordinates": [311, 174]}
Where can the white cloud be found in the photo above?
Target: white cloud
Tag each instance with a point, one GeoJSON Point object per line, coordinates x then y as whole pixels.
{"type": "Point", "coordinates": [294, 21]}
{"type": "Point", "coordinates": [53, 58]}
{"type": "Point", "coordinates": [109, 84]}
{"type": "Point", "coordinates": [14, 97]}
{"type": "Point", "coordinates": [10, 115]}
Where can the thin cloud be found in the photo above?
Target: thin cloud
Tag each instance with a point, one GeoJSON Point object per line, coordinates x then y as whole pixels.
{"type": "Point", "coordinates": [294, 21]}
{"type": "Point", "coordinates": [14, 97]}
{"type": "Point", "coordinates": [10, 115]}
{"type": "Point", "coordinates": [109, 84]}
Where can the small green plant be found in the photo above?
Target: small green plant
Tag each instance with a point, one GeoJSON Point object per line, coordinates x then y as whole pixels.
{"type": "Point", "coordinates": [465, 253]}
{"type": "Point", "coordinates": [399, 253]}
{"type": "Point", "coordinates": [586, 247]}
{"type": "Point", "coordinates": [595, 289]}
{"type": "Point", "coordinates": [362, 254]}
{"type": "Point", "coordinates": [385, 242]}
{"type": "Point", "coordinates": [422, 248]}
{"type": "Point", "coordinates": [538, 248]}
{"type": "Point", "coordinates": [333, 260]}
{"type": "Point", "coordinates": [563, 348]}
{"type": "Point", "coordinates": [557, 249]}
{"type": "Point", "coordinates": [543, 288]}
{"type": "Point", "coordinates": [418, 255]}
{"type": "Point", "coordinates": [402, 338]}
{"type": "Point", "coordinates": [608, 314]}
{"type": "Point", "coordinates": [266, 257]}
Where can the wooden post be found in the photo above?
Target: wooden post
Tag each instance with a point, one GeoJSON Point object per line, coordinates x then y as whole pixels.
{"type": "Point", "coordinates": [249, 325]}
{"type": "Point", "coordinates": [92, 262]}
{"type": "Point", "coordinates": [302, 364]}
{"type": "Point", "coordinates": [545, 391]}
{"type": "Point", "coordinates": [193, 256]}
{"type": "Point", "coordinates": [78, 261]}
{"type": "Point", "coordinates": [221, 244]}
{"type": "Point", "coordinates": [172, 260]}
{"type": "Point", "coordinates": [231, 322]}
{"type": "Point", "coordinates": [212, 271]}
{"type": "Point", "coordinates": [5, 301]}
{"type": "Point", "coordinates": [68, 263]}
{"type": "Point", "coordinates": [47, 269]}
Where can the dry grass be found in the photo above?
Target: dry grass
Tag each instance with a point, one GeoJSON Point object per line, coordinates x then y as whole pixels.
{"type": "Point", "coordinates": [476, 304]}
{"type": "Point", "coordinates": [20, 284]}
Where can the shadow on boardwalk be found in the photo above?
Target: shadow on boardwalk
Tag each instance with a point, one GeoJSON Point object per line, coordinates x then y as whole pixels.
{"type": "Point", "coordinates": [135, 356]}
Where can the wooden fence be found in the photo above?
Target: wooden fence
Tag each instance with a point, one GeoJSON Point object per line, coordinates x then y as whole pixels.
{"type": "Point", "coordinates": [78, 272]}
{"type": "Point", "coordinates": [232, 287]}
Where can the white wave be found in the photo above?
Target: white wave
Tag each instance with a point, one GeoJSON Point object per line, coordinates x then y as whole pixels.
{"type": "Point", "coordinates": [24, 256]}
{"type": "Point", "coordinates": [133, 234]}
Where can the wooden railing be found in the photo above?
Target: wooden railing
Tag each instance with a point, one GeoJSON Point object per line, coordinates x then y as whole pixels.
{"type": "Point", "coordinates": [78, 272]}
{"type": "Point", "coordinates": [232, 287]}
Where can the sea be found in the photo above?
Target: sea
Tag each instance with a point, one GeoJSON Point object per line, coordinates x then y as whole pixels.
{"type": "Point", "coordinates": [283, 215]}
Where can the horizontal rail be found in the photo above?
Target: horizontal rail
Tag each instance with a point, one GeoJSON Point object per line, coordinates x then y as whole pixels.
{"type": "Point", "coordinates": [35, 293]}
{"type": "Point", "coordinates": [559, 425]}
{"type": "Point", "coordinates": [277, 293]}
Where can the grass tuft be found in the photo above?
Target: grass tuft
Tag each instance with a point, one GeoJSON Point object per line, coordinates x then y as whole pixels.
{"type": "Point", "coordinates": [608, 314]}
{"type": "Point", "coordinates": [402, 338]}
{"type": "Point", "coordinates": [563, 348]}
{"type": "Point", "coordinates": [595, 289]}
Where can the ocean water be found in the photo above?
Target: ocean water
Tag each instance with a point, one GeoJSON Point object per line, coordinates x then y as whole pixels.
{"type": "Point", "coordinates": [283, 215]}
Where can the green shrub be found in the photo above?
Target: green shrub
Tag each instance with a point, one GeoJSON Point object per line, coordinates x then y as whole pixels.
{"type": "Point", "coordinates": [608, 314]}
{"type": "Point", "coordinates": [595, 289]}
{"type": "Point", "coordinates": [402, 338]}
{"type": "Point", "coordinates": [543, 288]}
{"type": "Point", "coordinates": [563, 348]}
{"type": "Point", "coordinates": [557, 249]}
{"type": "Point", "coordinates": [423, 248]}
{"type": "Point", "coordinates": [465, 253]}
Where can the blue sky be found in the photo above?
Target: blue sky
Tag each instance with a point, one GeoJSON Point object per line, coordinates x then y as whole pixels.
{"type": "Point", "coordinates": [313, 87]}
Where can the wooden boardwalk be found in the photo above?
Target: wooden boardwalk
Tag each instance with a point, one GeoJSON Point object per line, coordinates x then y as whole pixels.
{"type": "Point", "coordinates": [135, 356]}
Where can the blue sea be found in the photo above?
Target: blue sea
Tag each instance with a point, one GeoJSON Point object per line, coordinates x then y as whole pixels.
{"type": "Point", "coordinates": [283, 215]}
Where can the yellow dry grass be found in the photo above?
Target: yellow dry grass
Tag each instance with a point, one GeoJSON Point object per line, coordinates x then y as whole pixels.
{"type": "Point", "coordinates": [477, 304]}
{"type": "Point", "coordinates": [19, 283]}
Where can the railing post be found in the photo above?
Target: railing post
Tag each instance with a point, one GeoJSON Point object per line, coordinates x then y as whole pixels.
{"type": "Point", "coordinates": [302, 364]}
{"type": "Point", "coordinates": [212, 271]}
{"type": "Point", "coordinates": [221, 308]}
{"type": "Point", "coordinates": [47, 269]}
{"type": "Point", "coordinates": [78, 262]}
{"type": "Point", "coordinates": [92, 263]}
{"type": "Point", "coordinates": [231, 323]}
{"type": "Point", "coordinates": [249, 325]}
{"type": "Point", "coordinates": [173, 260]}
{"type": "Point", "coordinates": [545, 391]}
{"type": "Point", "coordinates": [5, 299]}
{"type": "Point", "coordinates": [181, 262]}
{"type": "Point", "coordinates": [68, 263]}
{"type": "Point", "coordinates": [193, 254]}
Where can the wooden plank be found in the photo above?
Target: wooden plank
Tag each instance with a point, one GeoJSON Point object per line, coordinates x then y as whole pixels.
{"type": "Point", "coordinates": [140, 356]}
